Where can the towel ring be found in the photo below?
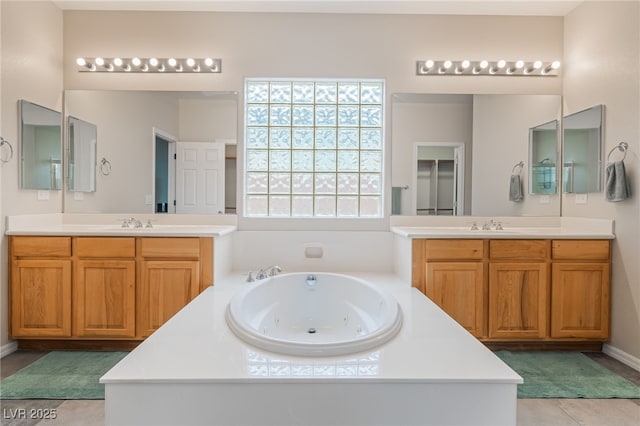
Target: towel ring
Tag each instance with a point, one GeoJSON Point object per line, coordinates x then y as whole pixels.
{"type": "Point", "coordinates": [4, 142]}
{"type": "Point", "coordinates": [105, 167]}
{"type": "Point", "coordinates": [622, 146]}
{"type": "Point", "coordinates": [520, 164]}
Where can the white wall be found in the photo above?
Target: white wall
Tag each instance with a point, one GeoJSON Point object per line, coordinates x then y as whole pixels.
{"type": "Point", "coordinates": [602, 56]}
{"type": "Point", "coordinates": [342, 251]}
{"type": "Point", "coordinates": [31, 36]}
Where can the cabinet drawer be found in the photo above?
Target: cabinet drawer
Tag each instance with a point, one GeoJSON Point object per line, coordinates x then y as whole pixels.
{"type": "Point", "coordinates": [41, 246]}
{"type": "Point", "coordinates": [581, 249]}
{"type": "Point", "coordinates": [174, 248]}
{"type": "Point", "coordinates": [453, 249]}
{"type": "Point", "coordinates": [519, 249]}
{"type": "Point", "coordinates": [105, 247]}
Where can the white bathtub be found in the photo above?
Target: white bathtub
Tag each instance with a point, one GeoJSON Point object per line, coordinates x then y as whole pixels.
{"type": "Point", "coordinates": [314, 314]}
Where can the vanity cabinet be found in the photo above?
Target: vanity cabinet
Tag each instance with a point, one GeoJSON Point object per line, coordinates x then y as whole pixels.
{"type": "Point", "coordinates": [169, 279]}
{"type": "Point", "coordinates": [517, 291]}
{"type": "Point", "coordinates": [40, 290]}
{"type": "Point", "coordinates": [580, 296]}
{"type": "Point", "coordinates": [451, 273]}
{"type": "Point", "coordinates": [104, 287]}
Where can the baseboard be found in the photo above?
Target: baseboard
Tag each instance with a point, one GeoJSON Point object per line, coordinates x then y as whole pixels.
{"type": "Point", "coordinates": [8, 348]}
{"type": "Point", "coordinates": [621, 356]}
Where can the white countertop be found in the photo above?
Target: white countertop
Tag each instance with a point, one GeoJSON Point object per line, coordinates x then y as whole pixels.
{"type": "Point", "coordinates": [507, 233]}
{"type": "Point", "coordinates": [111, 225]}
{"type": "Point", "coordinates": [118, 231]}
{"type": "Point", "coordinates": [513, 227]}
{"type": "Point", "coordinates": [196, 346]}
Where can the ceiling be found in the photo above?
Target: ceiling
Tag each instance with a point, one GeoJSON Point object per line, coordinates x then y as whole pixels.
{"type": "Point", "coordinates": [432, 7]}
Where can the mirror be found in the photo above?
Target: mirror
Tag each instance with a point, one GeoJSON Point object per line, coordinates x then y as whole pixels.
{"type": "Point", "coordinates": [40, 147]}
{"type": "Point", "coordinates": [82, 138]}
{"type": "Point", "coordinates": [494, 131]}
{"type": "Point", "coordinates": [128, 126]}
{"type": "Point", "coordinates": [543, 145]}
{"type": "Point", "coordinates": [582, 151]}
{"type": "Point", "coordinates": [439, 179]}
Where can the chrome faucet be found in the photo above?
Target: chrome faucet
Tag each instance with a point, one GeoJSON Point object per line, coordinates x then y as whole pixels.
{"type": "Point", "coordinates": [132, 222]}
{"type": "Point", "coordinates": [136, 222]}
{"type": "Point", "coordinates": [492, 224]}
{"type": "Point", "coordinates": [268, 272]}
{"type": "Point", "coordinates": [487, 226]}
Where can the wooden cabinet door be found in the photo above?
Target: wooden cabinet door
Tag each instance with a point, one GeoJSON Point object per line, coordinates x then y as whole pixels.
{"type": "Point", "coordinates": [580, 300]}
{"type": "Point", "coordinates": [166, 287]}
{"type": "Point", "coordinates": [518, 306]}
{"type": "Point", "coordinates": [457, 287]}
{"type": "Point", "coordinates": [104, 298]}
{"type": "Point", "coordinates": [41, 298]}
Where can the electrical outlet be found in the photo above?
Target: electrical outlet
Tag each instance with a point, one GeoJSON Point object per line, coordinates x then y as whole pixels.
{"type": "Point", "coordinates": [313, 252]}
{"type": "Point", "coordinates": [78, 196]}
{"type": "Point", "coordinates": [148, 199]}
{"type": "Point", "coordinates": [581, 198]}
{"type": "Point", "coordinates": [544, 199]}
{"type": "Point", "coordinates": [43, 195]}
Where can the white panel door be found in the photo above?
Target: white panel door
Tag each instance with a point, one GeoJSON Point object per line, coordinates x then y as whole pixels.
{"type": "Point", "coordinates": [200, 177]}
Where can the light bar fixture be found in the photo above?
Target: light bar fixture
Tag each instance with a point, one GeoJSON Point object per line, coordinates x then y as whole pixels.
{"type": "Point", "coordinates": [483, 67]}
{"type": "Point", "coordinates": [150, 65]}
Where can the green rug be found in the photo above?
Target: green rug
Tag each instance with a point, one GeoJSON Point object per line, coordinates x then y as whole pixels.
{"type": "Point", "coordinates": [61, 375]}
{"type": "Point", "coordinates": [566, 375]}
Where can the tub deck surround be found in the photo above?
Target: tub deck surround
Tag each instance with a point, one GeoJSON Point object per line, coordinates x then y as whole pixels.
{"type": "Point", "coordinates": [164, 225]}
{"type": "Point", "coordinates": [513, 227]}
{"type": "Point", "coordinates": [194, 370]}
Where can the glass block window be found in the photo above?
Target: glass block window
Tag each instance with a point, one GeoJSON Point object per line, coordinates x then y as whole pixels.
{"type": "Point", "coordinates": [314, 148]}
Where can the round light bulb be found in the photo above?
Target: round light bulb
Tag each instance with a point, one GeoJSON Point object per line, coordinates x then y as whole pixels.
{"type": "Point", "coordinates": [172, 62]}
{"type": "Point", "coordinates": [555, 65]}
{"type": "Point", "coordinates": [446, 64]}
{"type": "Point", "coordinates": [429, 63]}
{"type": "Point", "coordinates": [465, 64]}
{"type": "Point", "coordinates": [153, 62]}
{"type": "Point", "coordinates": [502, 63]}
{"type": "Point", "coordinates": [117, 62]}
{"type": "Point", "coordinates": [136, 62]}
{"type": "Point", "coordinates": [484, 64]}
{"type": "Point", "coordinates": [99, 61]}
{"type": "Point", "coordinates": [537, 65]}
{"type": "Point", "coordinates": [208, 62]}
{"type": "Point", "coordinates": [81, 62]}
{"type": "Point", "coordinates": [191, 62]}
{"type": "Point", "coordinates": [519, 64]}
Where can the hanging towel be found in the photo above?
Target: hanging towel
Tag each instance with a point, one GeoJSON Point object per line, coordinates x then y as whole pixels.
{"type": "Point", "coordinates": [616, 185]}
{"type": "Point", "coordinates": [515, 189]}
{"type": "Point", "coordinates": [396, 200]}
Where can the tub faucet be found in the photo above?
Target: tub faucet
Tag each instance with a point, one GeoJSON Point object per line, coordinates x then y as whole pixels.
{"type": "Point", "coordinates": [268, 272]}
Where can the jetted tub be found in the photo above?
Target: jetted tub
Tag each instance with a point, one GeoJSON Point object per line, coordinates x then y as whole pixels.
{"type": "Point", "coordinates": [314, 314]}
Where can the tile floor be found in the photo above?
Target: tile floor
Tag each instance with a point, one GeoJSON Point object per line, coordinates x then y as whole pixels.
{"type": "Point", "coordinates": [531, 412]}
